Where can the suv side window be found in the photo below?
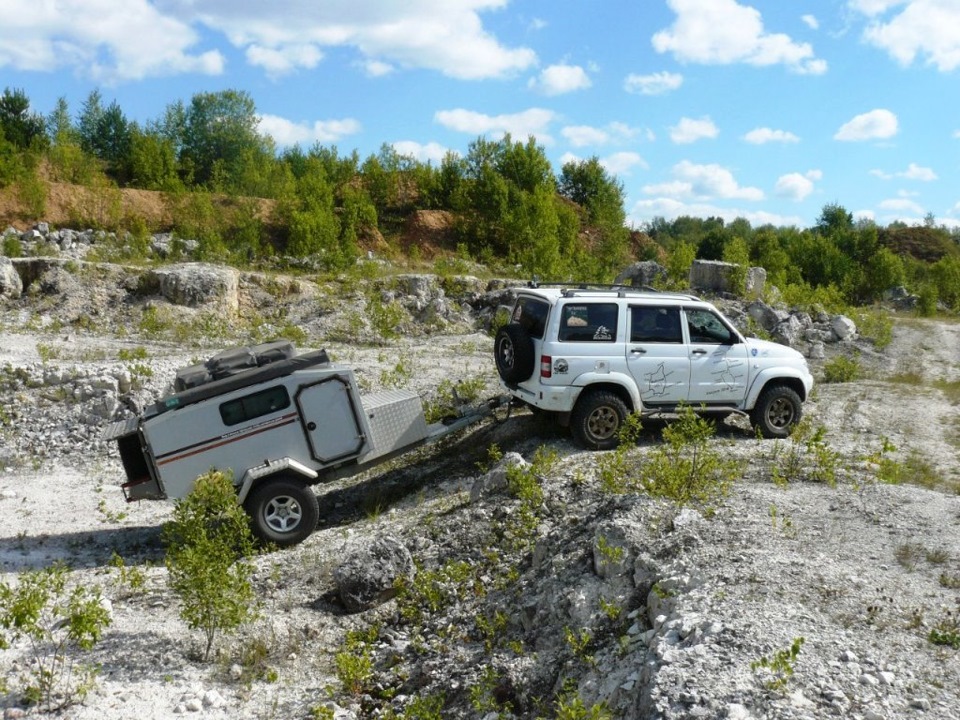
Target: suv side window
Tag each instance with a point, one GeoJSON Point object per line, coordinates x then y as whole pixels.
{"type": "Point", "coordinates": [532, 316]}
{"type": "Point", "coordinates": [649, 324]}
{"type": "Point", "coordinates": [707, 328]}
{"type": "Point", "coordinates": [588, 322]}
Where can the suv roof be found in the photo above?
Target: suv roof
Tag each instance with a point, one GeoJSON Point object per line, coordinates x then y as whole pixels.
{"type": "Point", "coordinates": [554, 292]}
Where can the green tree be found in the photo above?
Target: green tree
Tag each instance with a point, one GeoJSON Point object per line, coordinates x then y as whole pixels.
{"type": "Point", "coordinates": [208, 546]}
{"type": "Point", "coordinates": [310, 216]}
{"type": "Point", "coordinates": [21, 128]}
{"type": "Point", "coordinates": [883, 271]}
{"type": "Point", "coordinates": [217, 130]}
{"type": "Point", "coordinates": [152, 161]}
{"type": "Point", "coordinates": [946, 274]}
{"type": "Point", "coordinates": [59, 124]}
{"type": "Point", "coordinates": [737, 252]}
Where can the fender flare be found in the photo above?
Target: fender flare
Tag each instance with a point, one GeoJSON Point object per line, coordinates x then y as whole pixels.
{"type": "Point", "coordinates": [272, 467]}
{"type": "Point", "coordinates": [626, 382]}
{"type": "Point", "coordinates": [773, 374]}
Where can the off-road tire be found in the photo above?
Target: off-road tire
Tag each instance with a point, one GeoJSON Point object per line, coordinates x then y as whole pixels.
{"type": "Point", "coordinates": [597, 419]}
{"type": "Point", "coordinates": [777, 411]}
{"type": "Point", "coordinates": [514, 353]}
{"type": "Point", "coordinates": [283, 511]}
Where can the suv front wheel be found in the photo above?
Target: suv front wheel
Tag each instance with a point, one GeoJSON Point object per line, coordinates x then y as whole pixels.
{"type": "Point", "coordinates": [777, 410]}
{"type": "Point", "coordinates": [597, 419]}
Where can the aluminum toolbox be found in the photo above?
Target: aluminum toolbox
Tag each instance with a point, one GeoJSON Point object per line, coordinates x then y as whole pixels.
{"type": "Point", "coordinates": [396, 421]}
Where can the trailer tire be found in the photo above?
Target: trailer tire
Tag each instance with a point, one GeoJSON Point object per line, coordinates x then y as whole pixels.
{"type": "Point", "coordinates": [283, 511]}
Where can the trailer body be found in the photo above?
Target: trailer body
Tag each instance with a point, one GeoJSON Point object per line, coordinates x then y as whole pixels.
{"type": "Point", "coordinates": [278, 422]}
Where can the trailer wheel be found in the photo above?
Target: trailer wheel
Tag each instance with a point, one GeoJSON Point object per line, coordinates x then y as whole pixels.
{"type": "Point", "coordinates": [283, 511]}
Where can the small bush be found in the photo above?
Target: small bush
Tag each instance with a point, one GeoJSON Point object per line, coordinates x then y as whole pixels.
{"type": "Point", "coordinates": [208, 542]}
{"type": "Point", "coordinates": [55, 620]}
{"type": "Point", "coordinates": [842, 369]}
{"type": "Point", "coordinates": [780, 665]}
{"type": "Point", "coordinates": [686, 469]}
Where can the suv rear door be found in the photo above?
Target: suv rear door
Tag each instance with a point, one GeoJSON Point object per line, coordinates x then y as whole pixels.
{"type": "Point", "coordinates": [657, 357]}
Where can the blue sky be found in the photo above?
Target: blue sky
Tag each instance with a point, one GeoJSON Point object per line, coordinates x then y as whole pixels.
{"type": "Point", "coordinates": [763, 109]}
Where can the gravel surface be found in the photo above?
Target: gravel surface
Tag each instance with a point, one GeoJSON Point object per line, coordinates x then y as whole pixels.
{"type": "Point", "coordinates": [862, 571]}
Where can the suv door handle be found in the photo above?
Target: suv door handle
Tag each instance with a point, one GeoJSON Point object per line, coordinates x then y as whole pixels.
{"type": "Point", "coordinates": [698, 351]}
{"type": "Point", "coordinates": [637, 351]}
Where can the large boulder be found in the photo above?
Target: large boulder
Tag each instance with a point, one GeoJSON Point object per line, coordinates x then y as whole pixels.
{"type": "Point", "coordinates": [196, 284]}
{"type": "Point", "coordinates": [368, 575]}
{"type": "Point", "coordinates": [10, 284]}
{"type": "Point", "coordinates": [716, 276]}
{"type": "Point", "coordinates": [641, 274]}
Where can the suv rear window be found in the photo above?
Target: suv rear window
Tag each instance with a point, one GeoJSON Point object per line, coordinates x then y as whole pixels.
{"type": "Point", "coordinates": [532, 316]}
{"type": "Point", "coordinates": [649, 324]}
{"type": "Point", "coordinates": [588, 322]}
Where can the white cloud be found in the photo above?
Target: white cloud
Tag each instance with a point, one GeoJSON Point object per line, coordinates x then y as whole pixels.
{"type": "Point", "coordinates": [722, 32]}
{"type": "Point", "coordinates": [703, 182]}
{"type": "Point", "coordinates": [796, 186]}
{"type": "Point", "coordinates": [874, 7]}
{"type": "Point", "coordinates": [762, 136]}
{"type": "Point", "coordinates": [925, 28]}
{"type": "Point", "coordinates": [645, 210]}
{"type": "Point", "coordinates": [874, 125]}
{"type": "Point", "coordinates": [583, 135]}
{"type": "Point", "coordinates": [280, 62]}
{"type": "Point", "coordinates": [560, 79]}
{"type": "Point", "coordinates": [810, 21]}
{"type": "Point", "coordinates": [285, 132]}
{"type": "Point", "coordinates": [689, 130]}
{"type": "Point", "coordinates": [377, 68]}
{"type": "Point", "coordinates": [622, 162]}
{"type": "Point", "coordinates": [133, 39]}
{"type": "Point", "coordinates": [655, 84]}
{"type": "Point", "coordinates": [431, 152]}
{"type": "Point", "coordinates": [901, 205]}
{"type": "Point", "coordinates": [107, 40]}
{"type": "Point", "coordinates": [520, 125]}
{"type": "Point", "coordinates": [913, 172]}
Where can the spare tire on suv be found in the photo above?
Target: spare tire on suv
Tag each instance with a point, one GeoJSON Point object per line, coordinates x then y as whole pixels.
{"type": "Point", "coordinates": [514, 353]}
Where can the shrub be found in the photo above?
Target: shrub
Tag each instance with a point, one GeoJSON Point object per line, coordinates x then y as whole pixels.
{"type": "Point", "coordinates": [208, 542]}
{"type": "Point", "coordinates": [54, 620]}
{"type": "Point", "coordinates": [842, 369]}
{"type": "Point", "coordinates": [686, 469]}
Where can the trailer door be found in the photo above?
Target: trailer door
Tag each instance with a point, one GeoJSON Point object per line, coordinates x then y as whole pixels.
{"type": "Point", "coordinates": [330, 416]}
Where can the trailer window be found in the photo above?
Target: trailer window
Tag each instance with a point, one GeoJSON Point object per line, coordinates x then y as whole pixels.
{"type": "Point", "coordinates": [254, 405]}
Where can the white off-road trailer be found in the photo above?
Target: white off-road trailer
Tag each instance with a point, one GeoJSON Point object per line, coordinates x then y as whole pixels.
{"type": "Point", "coordinates": [279, 422]}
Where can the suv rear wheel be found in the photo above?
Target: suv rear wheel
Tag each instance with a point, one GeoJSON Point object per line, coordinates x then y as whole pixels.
{"type": "Point", "coordinates": [597, 419]}
{"type": "Point", "coordinates": [514, 353]}
{"type": "Point", "coordinates": [777, 410]}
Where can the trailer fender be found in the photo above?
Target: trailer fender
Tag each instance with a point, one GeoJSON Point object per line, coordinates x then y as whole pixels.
{"type": "Point", "coordinates": [272, 467]}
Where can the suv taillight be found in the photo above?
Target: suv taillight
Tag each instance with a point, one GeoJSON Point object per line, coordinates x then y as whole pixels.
{"type": "Point", "coordinates": [546, 366]}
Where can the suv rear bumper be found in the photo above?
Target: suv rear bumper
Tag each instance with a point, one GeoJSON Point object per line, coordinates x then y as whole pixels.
{"type": "Point", "coordinates": [552, 399]}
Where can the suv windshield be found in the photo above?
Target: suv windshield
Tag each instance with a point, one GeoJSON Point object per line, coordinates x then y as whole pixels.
{"type": "Point", "coordinates": [531, 314]}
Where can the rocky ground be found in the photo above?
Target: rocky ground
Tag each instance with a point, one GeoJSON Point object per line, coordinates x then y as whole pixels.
{"type": "Point", "coordinates": [593, 600]}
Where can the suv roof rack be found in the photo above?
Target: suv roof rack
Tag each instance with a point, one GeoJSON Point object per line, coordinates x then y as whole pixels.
{"type": "Point", "coordinates": [571, 288]}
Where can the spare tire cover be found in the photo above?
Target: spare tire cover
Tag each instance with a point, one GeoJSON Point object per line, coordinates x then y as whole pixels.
{"type": "Point", "coordinates": [514, 353]}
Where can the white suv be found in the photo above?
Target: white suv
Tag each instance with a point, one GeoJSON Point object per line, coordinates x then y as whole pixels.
{"type": "Point", "coordinates": [592, 356]}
